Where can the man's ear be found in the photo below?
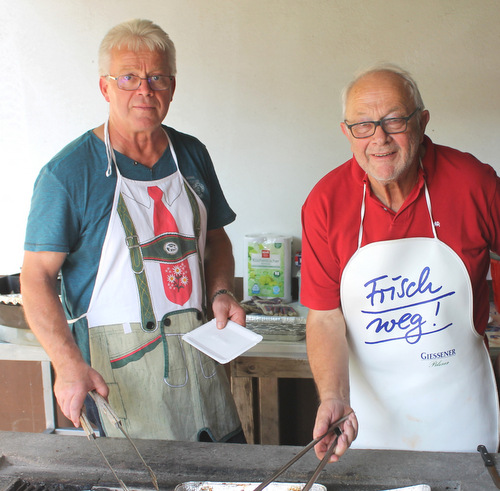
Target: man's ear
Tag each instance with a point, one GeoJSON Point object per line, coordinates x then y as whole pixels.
{"type": "Point", "coordinates": [172, 89]}
{"type": "Point", "coordinates": [424, 119]}
{"type": "Point", "coordinates": [104, 85]}
{"type": "Point", "coordinates": [345, 129]}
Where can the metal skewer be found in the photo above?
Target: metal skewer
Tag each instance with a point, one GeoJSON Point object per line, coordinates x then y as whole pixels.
{"type": "Point", "coordinates": [324, 461]}
{"type": "Point", "coordinates": [106, 409]}
{"type": "Point", "coordinates": [92, 436]}
{"type": "Point", "coordinates": [333, 428]}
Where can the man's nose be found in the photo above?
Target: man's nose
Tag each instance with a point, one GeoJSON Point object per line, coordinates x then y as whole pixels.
{"type": "Point", "coordinates": [380, 133]}
{"type": "Point", "coordinates": [144, 88]}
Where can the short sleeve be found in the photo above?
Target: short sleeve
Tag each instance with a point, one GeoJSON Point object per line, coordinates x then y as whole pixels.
{"type": "Point", "coordinates": [320, 282]}
{"type": "Point", "coordinates": [198, 169]}
{"type": "Point", "coordinates": [495, 217]}
{"type": "Point", "coordinates": [51, 222]}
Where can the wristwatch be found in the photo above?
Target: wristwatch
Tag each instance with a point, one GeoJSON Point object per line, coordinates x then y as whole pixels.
{"type": "Point", "coordinates": [223, 291]}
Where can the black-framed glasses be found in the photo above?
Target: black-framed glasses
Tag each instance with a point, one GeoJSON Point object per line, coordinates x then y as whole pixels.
{"type": "Point", "coordinates": [133, 82]}
{"type": "Point", "coordinates": [391, 126]}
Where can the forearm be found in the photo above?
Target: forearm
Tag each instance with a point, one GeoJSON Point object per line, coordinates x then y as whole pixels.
{"type": "Point", "coordinates": [45, 315]}
{"type": "Point", "coordinates": [219, 263]}
{"type": "Point", "coordinates": [219, 275]}
{"type": "Point", "coordinates": [328, 354]}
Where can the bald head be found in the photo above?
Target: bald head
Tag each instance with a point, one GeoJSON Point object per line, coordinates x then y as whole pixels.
{"type": "Point", "coordinates": [384, 72]}
{"type": "Point", "coordinates": [385, 127]}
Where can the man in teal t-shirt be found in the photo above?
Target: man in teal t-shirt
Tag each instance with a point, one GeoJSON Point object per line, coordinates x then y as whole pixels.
{"type": "Point", "coordinates": [132, 215]}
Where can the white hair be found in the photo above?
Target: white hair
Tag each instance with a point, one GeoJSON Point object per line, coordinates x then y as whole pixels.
{"type": "Point", "coordinates": [409, 82]}
{"type": "Point", "coordinates": [136, 34]}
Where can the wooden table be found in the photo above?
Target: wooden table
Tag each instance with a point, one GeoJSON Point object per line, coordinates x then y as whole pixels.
{"type": "Point", "coordinates": [254, 382]}
{"type": "Point", "coordinates": [17, 352]}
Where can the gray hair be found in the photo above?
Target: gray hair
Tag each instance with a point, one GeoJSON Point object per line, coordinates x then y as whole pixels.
{"type": "Point", "coordinates": [409, 82]}
{"type": "Point", "coordinates": [136, 34]}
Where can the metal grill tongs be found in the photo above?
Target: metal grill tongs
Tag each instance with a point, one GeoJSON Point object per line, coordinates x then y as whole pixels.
{"type": "Point", "coordinates": [105, 408]}
{"type": "Point", "coordinates": [334, 428]}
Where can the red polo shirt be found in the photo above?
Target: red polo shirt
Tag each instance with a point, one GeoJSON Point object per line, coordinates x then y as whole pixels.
{"type": "Point", "coordinates": [465, 199]}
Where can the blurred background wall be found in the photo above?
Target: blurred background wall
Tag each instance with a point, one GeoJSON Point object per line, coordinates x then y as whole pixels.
{"type": "Point", "coordinates": [258, 82]}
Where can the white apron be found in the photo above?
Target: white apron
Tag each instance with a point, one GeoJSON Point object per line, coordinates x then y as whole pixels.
{"type": "Point", "coordinates": [420, 375]}
{"type": "Point", "coordinates": [149, 291]}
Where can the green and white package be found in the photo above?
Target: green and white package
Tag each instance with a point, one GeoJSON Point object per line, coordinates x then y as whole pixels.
{"type": "Point", "coordinates": [267, 267]}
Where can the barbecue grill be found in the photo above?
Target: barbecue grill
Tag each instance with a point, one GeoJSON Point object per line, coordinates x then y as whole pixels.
{"type": "Point", "coordinates": [51, 462]}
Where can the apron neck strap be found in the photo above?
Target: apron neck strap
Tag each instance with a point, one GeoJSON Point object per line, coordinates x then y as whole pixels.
{"type": "Point", "coordinates": [363, 208]}
{"type": "Point", "coordinates": [429, 207]}
{"type": "Point", "coordinates": [110, 154]}
{"type": "Point", "coordinates": [427, 200]}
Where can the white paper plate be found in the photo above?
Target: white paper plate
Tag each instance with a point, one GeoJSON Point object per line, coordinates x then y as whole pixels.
{"type": "Point", "coordinates": [223, 345]}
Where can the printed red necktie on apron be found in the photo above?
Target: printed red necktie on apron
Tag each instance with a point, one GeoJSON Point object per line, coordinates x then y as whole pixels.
{"type": "Point", "coordinates": [176, 277]}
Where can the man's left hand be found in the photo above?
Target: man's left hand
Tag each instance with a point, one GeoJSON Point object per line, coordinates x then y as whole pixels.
{"type": "Point", "coordinates": [226, 307]}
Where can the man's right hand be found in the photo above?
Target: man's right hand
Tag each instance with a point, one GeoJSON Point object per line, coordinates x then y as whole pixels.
{"type": "Point", "coordinates": [72, 386]}
{"type": "Point", "coordinates": [329, 411]}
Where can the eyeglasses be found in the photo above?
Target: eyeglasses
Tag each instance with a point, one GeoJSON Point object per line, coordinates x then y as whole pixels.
{"type": "Point", "coordinates": [389, 125]}
{"type": "Point", "coordinates": [133, 82]}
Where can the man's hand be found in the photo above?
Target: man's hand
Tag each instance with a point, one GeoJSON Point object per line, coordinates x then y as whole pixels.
{"type": "Point", "coordinates": [329, 411]}
{"type": "Point", "coordinates": [226, 307]}
{"type": "Point", "coordinates": [71, 388]}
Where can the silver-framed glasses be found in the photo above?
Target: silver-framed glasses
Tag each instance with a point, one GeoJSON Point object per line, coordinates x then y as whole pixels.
{"type": "Point", "coordinates": [133, 82]}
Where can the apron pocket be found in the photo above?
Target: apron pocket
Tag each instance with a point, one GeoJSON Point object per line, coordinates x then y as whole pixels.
{"type": "Point", "coordinates": [116, 401]}
{"type": "Point", "coordinates": [176, 372]}
{"type": "Point", "coordinates": [208, 365]}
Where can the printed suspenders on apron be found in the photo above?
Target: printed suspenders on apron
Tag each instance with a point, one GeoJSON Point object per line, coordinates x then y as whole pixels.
{"type": "Point", "coordinates": [421, 377]}
{"type": "Point", "coordinates": [149, 291]}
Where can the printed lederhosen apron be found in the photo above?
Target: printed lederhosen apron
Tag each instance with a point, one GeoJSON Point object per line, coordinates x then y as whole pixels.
{"type": "Point", "coordinates": [420, 375]}
{"type": "Point", "coordinates": [148, 293]}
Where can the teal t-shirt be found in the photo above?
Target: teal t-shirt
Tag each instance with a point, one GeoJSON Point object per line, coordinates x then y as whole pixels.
{"type": "Point", "coordinates": [72, 200]}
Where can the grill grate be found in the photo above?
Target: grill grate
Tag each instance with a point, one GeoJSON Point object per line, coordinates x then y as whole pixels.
{"type": "Point", "coordinates": [22, 485]}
